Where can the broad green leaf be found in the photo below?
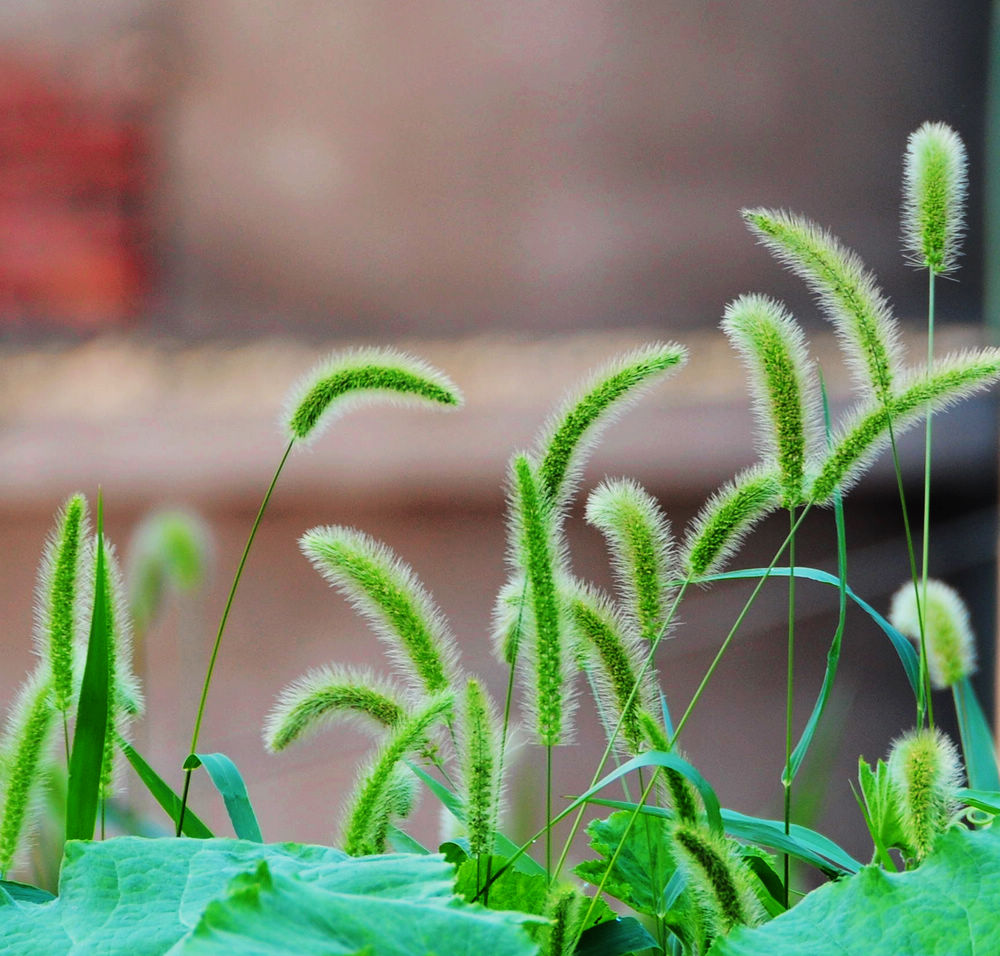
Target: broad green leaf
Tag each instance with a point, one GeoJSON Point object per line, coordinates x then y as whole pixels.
{"type": "Point", "coordinates": [233, 790]}
{"type": "Point", "coordinates": [881, 810]}
{"type": "Point", "coordinates": [165, 797]}
{"type": "Point", "coordinates": [903, 647]}
{"type": "Point", "coordinates": [25, 892]}
{"type": "Point", "coordinates": [977, 739]}
{"type": "Point", "coordinates": [92, 711]}
{"type": "Point", "coordinates": [139, 896]}
{"type": "Point", "coordinates": [616, 937]}
{"type": "Point", "coordinates": [946, 906]}
{"type": "Point", "coordinates": [644, 864]}
{"type": "Point", "coordinates": [270, 914]}
{"type": "Point", "coordinates": [512, 890]}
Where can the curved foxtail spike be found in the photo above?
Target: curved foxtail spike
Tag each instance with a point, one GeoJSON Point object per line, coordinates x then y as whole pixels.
{"type": "Point", "coordinates": [951, 646]}
{"type": "Point", "coordinates": [565, 912]}
{"type": "Point", "coordinates": [682, 794]}
{"type": "Point", "coordinates": [724, 520]}
{"type": "Point", "coordinates": [327, 694]}
{"type": "Point", "coordinates": [607, 640]}
{"type": "Point", "coordinates": [347, 379]}
{"type": "Point", "coordinates": [718, 877]}
{"type": "Point", "coordinates": [364, 815]}
{"type": "Point", "coordinates": [926, 774]}
{"type": "Point", "coordinates": [26, 740]}
{"type": "Point", "coordinates": [386, 591]}
{"type": "Point", "coordinates": [480, 746]}
{"type": "Point", "coordinates": [569, 434]}
{"type": "Point", "coordinates": [935, 182]}
{"type": "Point", "coordinates": [773, 349]}
{"type": "Point", "coordinates": [642, 552]}
{"type": "Point", "coordinates": [866, 433]}
{"type": "Point", "coordinates": [61, 596]}
{"type": "Point", "coordinates": [538, 557]}
{"type": "Point", "coordinates": [847, 292]}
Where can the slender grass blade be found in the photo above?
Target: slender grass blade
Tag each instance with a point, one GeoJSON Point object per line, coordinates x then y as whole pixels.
{"type": "Point", "coordinates": [92, 712]}
{"type": "Point", "coordinates": [403, 843]}
{"type": "Point", "coordinates": [164, 796]}
{"type": "Point", "coordinates": [233, 790]}
{"type": "Point", "coordinates": [977, 739]}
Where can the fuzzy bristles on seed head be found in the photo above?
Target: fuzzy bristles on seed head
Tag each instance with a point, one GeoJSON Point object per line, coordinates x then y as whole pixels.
{"type": "Point", "coordinates": [327, 694]}
{"type": "Point", "coordinates": [345, 380]}
{"type": "Point", "coordinates": [935, 182]}
{"type": "Point", "coordinates": [951, 647]}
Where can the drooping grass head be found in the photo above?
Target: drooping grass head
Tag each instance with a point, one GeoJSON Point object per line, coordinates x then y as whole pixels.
{"type": "Point", "coordinates": [347, 379]}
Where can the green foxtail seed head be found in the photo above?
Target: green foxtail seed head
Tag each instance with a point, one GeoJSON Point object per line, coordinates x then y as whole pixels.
{"type": "Point", "coordinates": [62, 594]}
{"type": "Point", "coordinates": [951, 647]}
{"type": "Point", "coordinates": [926, 774]}
{"type": "Point", "coordinates": [724, 520]}
{"type": "Point", "coordinates": [773, 349]}
{"type": "Point", "coordinates": [866, 432]}
{"type": "Point", "coordinates": [369, 799]}
{"type": "Point", "coordinates": [638, 536]}
{"type": "Point", "coordinates": [324, 695]}
{"type": "Point", "coordinates": [396, 802]}
{"type": "Point", "coordinates": [537, 558]}
{"type": "Point", "coordinates": [124, 694]}
{"type": "Point", "coordinates": [347, 379]}
{"type": "Point", "coordinates": [934, 188]}
{"type": "Point", "coordinates": [169, 550]}
{"type": "Point", "coordinates": [682, 794]}
{"type": "Point", "coordinates": [480, 744]}
{"type": "Point", "coordinates": [847, 292]}
{"type": "Point", "coordinates": [565, 908]}
{"type": "Point", "coordinates": [388, 594]}
{"type": "Point", "coordinates": [569, 434]}
{"type": "Point", "coordinates": [26, 740]}
{"type": "Point", "coordinates": [511, 619]}
{"type": "Point", "coordinates": [614, 647]}
{"type": "Point", "coordinates": [718, 877]}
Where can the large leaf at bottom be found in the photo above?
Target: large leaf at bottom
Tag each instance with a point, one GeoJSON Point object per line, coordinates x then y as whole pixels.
{"type": "Point", "coordinates": [947, 906]}
{"type": "Point", "coordinates": [267, 914]}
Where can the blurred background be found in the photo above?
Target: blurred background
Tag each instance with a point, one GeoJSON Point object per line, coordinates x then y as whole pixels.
{"type": "Point", "coordinates": [199, 199]}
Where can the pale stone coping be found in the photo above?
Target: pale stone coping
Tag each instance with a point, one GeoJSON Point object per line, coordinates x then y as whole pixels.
{"type": "Point", "coordinates": [149, 420]}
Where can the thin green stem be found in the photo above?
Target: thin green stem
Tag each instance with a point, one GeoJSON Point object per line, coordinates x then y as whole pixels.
{"type": "Point", "coordinates": [548, 812]}
{"type": "Point", "coordinates": [222, 627]}
{"type": "Point", "coordinates": [789, 697]}
{"type": "Point", "coordinates": [646, 664]}
{"type": "Point", "coordinates": [736, 626]}
{"type": "Point", "coordinates": [925, 555]}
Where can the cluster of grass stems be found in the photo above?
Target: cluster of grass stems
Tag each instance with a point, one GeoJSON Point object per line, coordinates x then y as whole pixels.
{"type": "Point", "coordinates": [438, 727]}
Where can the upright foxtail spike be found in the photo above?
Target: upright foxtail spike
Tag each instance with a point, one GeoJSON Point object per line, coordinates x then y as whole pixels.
{"type": "Point", "coordinates": [567, 437]}
{"type": "Point", "coordinates": [480, 746]}
{"type": "Point", "coordinates": [327, 694]}
{"type": "Point", "coordinates": [847, 292]}
{"type": "Point", "coordinates": [642, 554]}
{"type": "Point", "coordinates": [926, 773]}
{"type": "Point", "coordinates": [951, 645]}
{"type": "Point", "coordinates": [347, 379]}
{"type": "Point", "coordinates": [539, 563]}
{"type": "Point", "coordinates": [935, 182]}
{"type": "Point", "coordinates": [773, 349]}
{"type": "Point", "coordinates": [61, 596]}
{"type": "Point", "coordinates": [388, 594]}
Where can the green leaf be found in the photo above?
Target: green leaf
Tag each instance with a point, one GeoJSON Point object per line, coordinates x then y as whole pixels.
{"type": "Point", "coordinates": [233, 790]}
{"type": "Point", "coordinates": [402, 842]}
{"type": "Point", "coordinates": [271, 914]}
{"type": "Point", "coordinates": [140, 896]}
{"type": "Point", "coordinates": [986, 800]}
{"type": "Point", "coordinates": [643, 865]}
{"type": "Point", "coordinates": [164, 796]}
{"type": "Point", "coordinates": [947, 905]}
{"type": "Point", "coordinates": [92, 711]}
{"type": "Point", "coordinates": [616, 937]}
{"type": "Point", "coordinates": [977, 738]}
{"type": "Point", "coordinates": [903, 647]}
{"type": "Point", "coordinates": [25, 892]}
